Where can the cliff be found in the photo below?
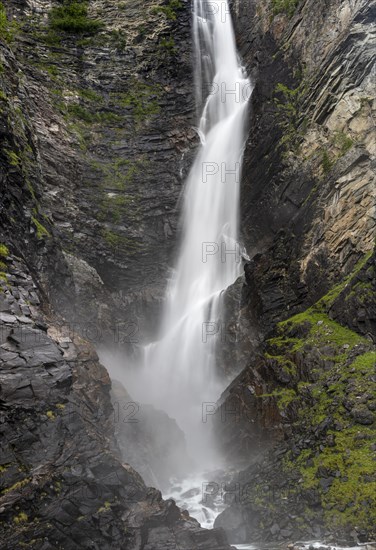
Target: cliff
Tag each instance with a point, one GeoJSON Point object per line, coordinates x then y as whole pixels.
{"type": "Point", "coordinates": [304, 428]}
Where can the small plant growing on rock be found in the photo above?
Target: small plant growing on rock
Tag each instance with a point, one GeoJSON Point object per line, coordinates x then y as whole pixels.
{"type": "Point", "coordinates": [72, 17]}
{"type": "Point", "coordinates": [326, 162]}
{"type": "Point", "coordinates": [4, 251]}
{"type": "Point", "coordinates": [41, 230]}
{"type": "Point", "coordinates": [289, 102]}
{"type": "Point", "coordinates": [169, 10]}
{"type": "Point", "coordinates": [284, 6]}
{"type": "Point", "coordinates": [21, 518]}
{"type": "Point", "coordinates": [14, 159]}
{"type": "Point", "coordinates": [7, 29]}
{"type": "Point", "coordinates": [343, 142]}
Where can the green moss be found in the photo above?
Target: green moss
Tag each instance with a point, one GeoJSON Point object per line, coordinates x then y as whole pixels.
{"type": "Point", "coordinates": [343, 142]}
{"type": "Point", "coordinates": [83, 137]}
{"type": "Point", "coordinates": [51, 38]}
{"type": "Point", "coordinates": [326, 162]}
{"type": "Point", "coordinates": [14, 159]}
{"type": "Point", "coordinates": [72, 17]}
{"type": "Point", "coordinates": [285, 397]}
{"type": "Point", "coordinates": [351, 497]}
{"type": "Point", "coordinates": [284, 343]}
{"type": "Point", "coordinates": [81, 113]}
{"type": "Point", "coordinates": [283, 362]}
{"type": "Point", "coordinates": [284, 6]}
{"type": "Point", "coordinates": [362, 292]}
{"type": "Point", "coordinates": [118, 173]}
{"type": "Point", "coordinates": [288, 102]}
{"type": "Point", "coordinates": [4, 250]}
{"type": "Point", "coordinates": [323, 330]}
{"type": "Point", "coordinates": [8, 29]}
{"type": "Point", "coordinates": [120, 243]}
{"type": "Point", "coordinates": [169, 10]}
{"type": "Point", "coordinates": [119, 39]}
{"type": "Point", "coordinates": [52, 70]}
{"type": "Point", "coordinates": [327, 301]}
{"type": "Point", "coordinates": [21, 518]}
{"type": "Point", "coordinates": [113, 208]}
{"type": "Point", "coordinates": [16, 486]}
{"type": "Point", "coordinates": [106, 506]}
{"type": "Point", "coordinates": [142, 98]}
{"type": "Point", "coordinates": [366, 361]}
{"type": "Point", "coordinates": [167, 45]}
{"type": "Point", "coordinates": [90, 95]}
{"type": "Point", "coordinates": [340, 142]}
{"type": "Point", "coordinates": [3, 96]}
{"type": "Point", "coordinates": [41, 230]}
{"type": "Point", "coordinates": [50, 415]}
{"type": "Point", "coordinates": [77, 111]}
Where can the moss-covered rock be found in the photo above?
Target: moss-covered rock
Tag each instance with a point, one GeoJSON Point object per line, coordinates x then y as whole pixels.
{"type": "Point", "coordinates": [314, 386]}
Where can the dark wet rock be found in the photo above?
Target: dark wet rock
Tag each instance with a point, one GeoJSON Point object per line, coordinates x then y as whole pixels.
{"type": "Point", "coordinates": [231, 520]}
{"type": "Point", "coordinates": [63, 480]}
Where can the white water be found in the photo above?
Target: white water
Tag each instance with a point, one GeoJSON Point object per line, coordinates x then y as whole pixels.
{"type": "Point", "coordinates": [179, 367]}
{"type": "Point", "coordinates": [178, 373]}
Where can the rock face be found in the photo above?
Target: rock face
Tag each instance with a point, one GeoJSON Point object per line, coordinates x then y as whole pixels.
{"type": "Point", "coordinates": [63, 481]}
{"type": "Point", "coordinates": [304, 428]}
{"type": "Point", "coordinates": [102, 120]}
{"type": "Point", "coordinates": [308, 186]}
{"type": "Point", "coordinates": [305, 425]}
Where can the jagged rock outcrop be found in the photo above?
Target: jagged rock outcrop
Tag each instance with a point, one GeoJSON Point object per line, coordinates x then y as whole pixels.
{"type": "Point", "coordinates": [308, 185]}
{"type": "Point", "coordinates": [305, 424]}
{"type": "Point", "coordinates": [308, 222]}
{"type": "Point", "coordinates": [63, 482]}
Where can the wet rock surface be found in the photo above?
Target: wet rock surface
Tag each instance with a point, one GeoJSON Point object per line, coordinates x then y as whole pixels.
{"type": "Point", "coordinates": [308, 223]}
{"type": "Point", "coordinates": [101, 126]}
{"type": "Point", "coordinates": [64, 483]}
{"type": "Point", "coordinates": [300, 420]}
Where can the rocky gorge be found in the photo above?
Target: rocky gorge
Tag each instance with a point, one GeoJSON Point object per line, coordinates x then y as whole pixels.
{"type": "Point", "coordinates": [97, 120]}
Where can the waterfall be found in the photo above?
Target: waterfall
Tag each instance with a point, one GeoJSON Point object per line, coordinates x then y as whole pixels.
{"type": "Point", "coordinates": [178, 370]}
{"type": "Point", "coordinates": [180, 375]}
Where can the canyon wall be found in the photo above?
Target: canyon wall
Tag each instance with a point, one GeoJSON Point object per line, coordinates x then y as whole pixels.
{"type": "Point", "coordinates": [304, 428]}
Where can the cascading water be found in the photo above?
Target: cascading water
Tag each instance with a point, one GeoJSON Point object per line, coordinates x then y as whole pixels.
{"type": "Point", "coordinates": [178, 370]}
{"type": "Point", "coordinates": [180, 366]}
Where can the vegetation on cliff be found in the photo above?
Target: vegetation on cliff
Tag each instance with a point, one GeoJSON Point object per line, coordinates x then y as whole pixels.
{"type": "Point", "coordinates": [324, 385]}
{"type": "Point", "coordinates": [72, 17]}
